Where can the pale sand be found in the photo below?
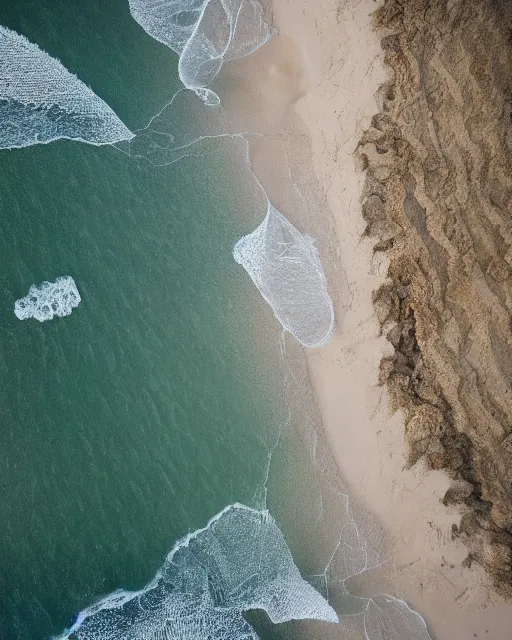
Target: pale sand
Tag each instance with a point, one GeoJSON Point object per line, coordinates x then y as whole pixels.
{"type": "Point", "coordinates": [344, 62]}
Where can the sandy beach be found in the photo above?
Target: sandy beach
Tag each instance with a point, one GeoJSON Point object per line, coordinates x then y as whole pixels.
{"type": "Point", "coordinates": [343, 65]}
{"type": "Point", "coordinates": [354, 164]}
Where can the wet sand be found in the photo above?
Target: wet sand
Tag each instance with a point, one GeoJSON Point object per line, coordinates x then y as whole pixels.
{"type": "Point", "coordinates": [365, 422]}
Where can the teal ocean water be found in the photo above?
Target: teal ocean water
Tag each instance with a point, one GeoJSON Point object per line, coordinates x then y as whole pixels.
{"type": "Point", "coordinates": [137, 418]}
{"type": "Point", "coordinates": [162, 416]}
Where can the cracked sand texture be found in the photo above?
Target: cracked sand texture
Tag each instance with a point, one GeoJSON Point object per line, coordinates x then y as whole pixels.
{"type": "Point", "coordinates": [438, 202]}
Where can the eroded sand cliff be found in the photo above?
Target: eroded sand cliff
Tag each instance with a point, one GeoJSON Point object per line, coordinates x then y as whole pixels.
{"type": "Point", "coordinates": [438, 202]}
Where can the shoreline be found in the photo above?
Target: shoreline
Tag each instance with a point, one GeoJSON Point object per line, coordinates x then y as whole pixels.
{"type": "Point", "coordinates": [425, 566]}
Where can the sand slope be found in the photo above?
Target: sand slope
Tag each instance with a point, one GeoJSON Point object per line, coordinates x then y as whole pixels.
{"type": "Point", "coordinates": [438, 201]}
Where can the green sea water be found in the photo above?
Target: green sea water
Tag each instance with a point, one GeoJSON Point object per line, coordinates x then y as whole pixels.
{"type": "Point", "coordinates": [164, 397]}
{"type": "Point", "coordinates": [134, 420]}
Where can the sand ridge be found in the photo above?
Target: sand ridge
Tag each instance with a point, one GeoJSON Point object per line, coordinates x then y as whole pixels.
{"type": "Point", "coordinates": [438, 199]}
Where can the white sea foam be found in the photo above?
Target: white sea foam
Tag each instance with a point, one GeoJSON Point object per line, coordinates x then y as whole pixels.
{"type": "Point", "coordinates": [204, 33]}
{"type": "Point", "coordinates": [49, 299]}
{"type": "Point", "coordinates": [238, 562]}
{"type": "Point", "coordinates": [387, 617]}
{"type": "Point", "coordinates": [286, 268]}
{"type": "Point", "coordinates": [41, 101]}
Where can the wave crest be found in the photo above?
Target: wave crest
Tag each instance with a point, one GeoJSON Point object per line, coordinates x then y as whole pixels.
{"type": "Point", "coordinates": [238, 562]}
{"type": "Point", "coordinates": [204, 33]}
{"type": "Point", "coordinates": [41, 101]}
{"type": "Point", "coordinates": [286, 268]}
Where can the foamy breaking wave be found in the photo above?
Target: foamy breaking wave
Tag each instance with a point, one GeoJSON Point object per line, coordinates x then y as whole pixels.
{"type": "Point", "coordinates": [238, 562]}
{"type": "Point", "coordinates": [49, 299]}
{"type": "Point", "coordinates": [41, 101]}
{"type": "Point", "coordinates": [387, 617]}
{"type": "Point", "coordinates": [286, 268]}
{"type": "Point", "coordinates": [204, 33]}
